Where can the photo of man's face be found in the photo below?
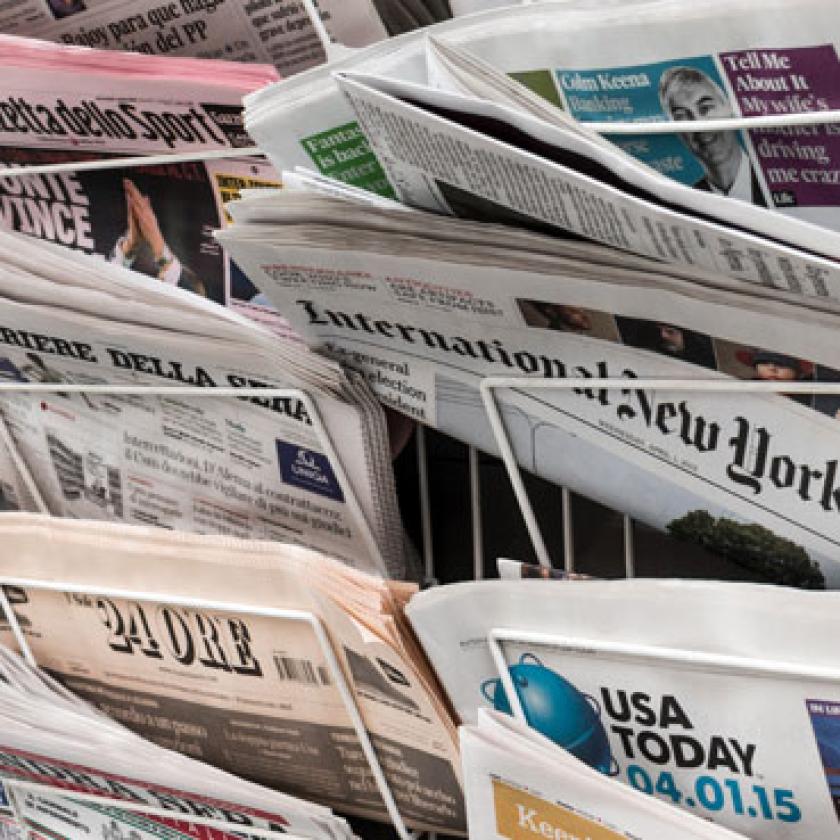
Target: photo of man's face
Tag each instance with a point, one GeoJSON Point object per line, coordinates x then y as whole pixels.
{"type": "Point", "coordinates": [688, 94]}
{"type": "Point", "coordinates": [703, 100]}
{"type": "Point", "coordinates": [772, 372]}
{"type": "Point", "coordinates": [672, 339]}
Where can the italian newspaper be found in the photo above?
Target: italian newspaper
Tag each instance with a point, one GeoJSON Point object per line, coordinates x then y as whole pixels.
{"type": "Point", "coordinates": [258, 467]}
{"type": "Point", "coordinates": [253, 694]}
{"type": "Point", "coordinates": [68, 771]}
{"type": "Point", "coordinates": [158, 219]}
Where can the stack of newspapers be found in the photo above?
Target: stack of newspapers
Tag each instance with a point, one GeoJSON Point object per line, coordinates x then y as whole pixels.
{"type": "Point", "coordinates": [525, 245]}
{"type": "Point", "coordinates": [246, 655]}
{"type": "Point", "coordinates": [307, 463]}
{"type": "Point", "coordinates": [720, 699]}
{"type": "Point", "coordinates": [54, 745]}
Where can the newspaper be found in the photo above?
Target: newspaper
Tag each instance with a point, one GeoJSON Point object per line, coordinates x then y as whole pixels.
{"type": "Point", "coordinates": [247, 467]}
{"type": "Point", "coordinates": [155, 219]}
{"type": "Point", "coordinates": [427, 314]}
{"type": "Point", "coordinates": [550, 47]}
{"type": "Point", "coordinates": [278, 33]}
{"type": "Point", "coordinates": [251, 693]}
{"type": "Point", "coordinates": [18, 490]}
{"type": "Point", "coordinates": [468, 7]}
{"type": "Point", "coordinates": [520, 785]}
{"type": "Point", "coordinates": [695, 692]}
{"type": "Point", "coordinates": [53, 740]}
{"type": "Point", "coordinates": [483, 161]}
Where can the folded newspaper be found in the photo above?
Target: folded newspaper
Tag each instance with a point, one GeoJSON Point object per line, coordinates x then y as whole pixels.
{"type": "Point", "coordinates": [720, 698]}
{"type": "Point", "coordinates": [622, 61]}
{"type": "Point", "coordinates": [520, 785]}
{"type": "Point", "coordinates": [428, 306]}
{"type": "Point", "coordinates": [54, 745]}
{"type": "Point", "coordinates": [311, 465]}
{"type": "Point", "coordinates": [494, 152]}
{"type": "Point", "coordinates": [64, 105]}
{"type": "Point", "coordinates": [278, 32]}
{"type": "Point", "coordinates": [254, 694]}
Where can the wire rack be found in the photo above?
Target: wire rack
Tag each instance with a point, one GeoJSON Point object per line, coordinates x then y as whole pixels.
{"type": "Point", "coordinates": [442, 484]}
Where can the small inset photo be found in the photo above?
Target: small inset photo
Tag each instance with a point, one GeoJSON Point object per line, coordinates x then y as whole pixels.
{"type": "Point", "coordinates": [758, 364]}
{"type": "Point", "coordinates": [64, 8]}
{"type": "Point", "coordinates": [668, 340]}
{"type": "Point", "coordinates": [566, 318]}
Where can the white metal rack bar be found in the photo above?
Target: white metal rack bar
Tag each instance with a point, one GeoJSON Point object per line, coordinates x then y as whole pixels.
{"type": "Point", "coordinates": [475, 511]}
{"type": "Point", "coordinates": [425, 507]}
{"type": "Point", "coordinates": [299, 616]}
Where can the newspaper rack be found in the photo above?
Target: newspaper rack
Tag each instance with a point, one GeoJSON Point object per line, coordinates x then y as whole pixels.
{"type": "Point", "coordinates": [497, 636]}
{"type": "Point", "coordinates": [299, 616]}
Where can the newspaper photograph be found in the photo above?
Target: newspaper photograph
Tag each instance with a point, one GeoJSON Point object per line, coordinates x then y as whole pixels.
{"type": "Point", "coordinates": [708, 701]}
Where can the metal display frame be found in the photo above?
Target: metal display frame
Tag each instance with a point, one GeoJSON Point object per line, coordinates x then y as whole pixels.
{"type": "Point", "coordinates": [497, 636]}
{"type": "Point", "coordinates": [489, 387]}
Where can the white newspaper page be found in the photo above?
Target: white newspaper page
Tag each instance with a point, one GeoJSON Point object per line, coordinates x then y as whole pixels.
{"type": "Point", "coordinates": [60, 759]}
{"type": "Point", "coordinates": [520, 785]}
{"type": "Point", "coordinates": [53, 816]}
